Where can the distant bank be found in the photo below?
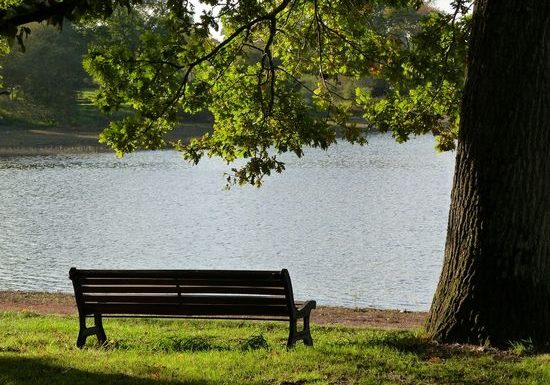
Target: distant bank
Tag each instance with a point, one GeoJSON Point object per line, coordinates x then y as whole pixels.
{"type": "Point", "coordinates": [56, 141]}
{"type": "Point", "coordinates": [53, 150]}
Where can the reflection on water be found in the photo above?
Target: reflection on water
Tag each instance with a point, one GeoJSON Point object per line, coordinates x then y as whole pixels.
{"type": "Point", "coordinates": [356, 226]}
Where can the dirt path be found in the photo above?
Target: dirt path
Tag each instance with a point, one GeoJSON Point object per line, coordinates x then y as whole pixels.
{"type": "Point", "coordinates": [48, 303]}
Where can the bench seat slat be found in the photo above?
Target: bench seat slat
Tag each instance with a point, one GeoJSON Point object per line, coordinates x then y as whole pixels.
{"type": "Point", "coordinates": [182, 281]}
{"type": "Point", "coordinates": [208, 317]}
{"type": "Point", "coordinates": [206, 274]}
{"type": "Point", "coordinates": [182, 289]}
{"type": "Point", "coordinates": [197, 310]}
{"type": "Point", "coordinates": [185, 299]}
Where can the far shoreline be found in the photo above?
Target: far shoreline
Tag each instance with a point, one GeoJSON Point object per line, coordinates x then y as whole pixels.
{"type": "Point", "coordinates": [8, 152]}
{"type": "Point", "coordinates": [63, 304]}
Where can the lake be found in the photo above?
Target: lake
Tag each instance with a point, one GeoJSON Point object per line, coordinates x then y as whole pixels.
{"type": "Point", "coordinates": [355, 226]}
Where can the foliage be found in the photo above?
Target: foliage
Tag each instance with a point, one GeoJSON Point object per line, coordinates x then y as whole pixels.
{"type": "Point", "coordinates": [4, 50]}
{"type": "Point", "coordinates": [8, 3]}
{"type": "Point", "coordinates": [14, 14]}
{"type": "Point", "coordinates": [426, 83]}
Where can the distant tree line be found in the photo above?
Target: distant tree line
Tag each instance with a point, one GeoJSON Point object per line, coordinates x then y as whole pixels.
{"type": "Point", "coordinates": [42, 76]}
{"type": "Point", "coordinates": [44, 82]}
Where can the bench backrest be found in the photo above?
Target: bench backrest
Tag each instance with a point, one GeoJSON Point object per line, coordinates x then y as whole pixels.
{"type": "Point", "coordinates": [208, 293]}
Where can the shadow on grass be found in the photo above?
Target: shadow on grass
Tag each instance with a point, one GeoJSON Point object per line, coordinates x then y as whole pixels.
{"type": "Point", "coordinates": [407, 342]}
{"type": "Point", "coordinates": [435, 363]}
{"type": "Point", "coordinates": [426, 349]}
{"type": "Point", "coordinates": [34, 371]}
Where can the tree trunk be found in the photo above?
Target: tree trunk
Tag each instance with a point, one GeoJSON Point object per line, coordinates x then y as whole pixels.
{"type": "Point", "coordinates": [495, 284]}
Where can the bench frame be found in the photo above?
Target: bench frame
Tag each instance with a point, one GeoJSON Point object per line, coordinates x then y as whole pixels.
{"type": "Point", "coordinates": [295, 313]}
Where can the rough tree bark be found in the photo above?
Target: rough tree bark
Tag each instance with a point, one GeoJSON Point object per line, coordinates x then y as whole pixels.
{"type": "Point", "coordinates": [495, 283]}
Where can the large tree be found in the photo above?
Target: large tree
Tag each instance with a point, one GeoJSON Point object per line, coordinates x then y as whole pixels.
{"type": "Point", "coordinates": [495, 285]}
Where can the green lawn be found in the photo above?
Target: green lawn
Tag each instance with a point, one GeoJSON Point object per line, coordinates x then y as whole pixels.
{"type": "Point", "coordinates": [39, 349]}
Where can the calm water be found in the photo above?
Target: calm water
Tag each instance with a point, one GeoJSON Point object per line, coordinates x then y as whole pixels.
{"type": "Point", "coordinates": [355, 226]}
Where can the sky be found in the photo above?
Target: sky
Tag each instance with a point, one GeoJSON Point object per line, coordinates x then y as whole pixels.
{"type": "Point", "coordinates": [441, 4]}
{"type": "Point", "coordinates": [444, 5]}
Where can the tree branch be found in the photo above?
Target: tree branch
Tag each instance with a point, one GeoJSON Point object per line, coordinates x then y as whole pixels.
{"type": "Point", "coordinates": [38, 11]}
{"type": "Point", "coordinates": [191, 66]}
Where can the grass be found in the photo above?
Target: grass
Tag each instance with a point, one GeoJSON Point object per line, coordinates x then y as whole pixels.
{"type": "Point", "coordinates": [39, 349]}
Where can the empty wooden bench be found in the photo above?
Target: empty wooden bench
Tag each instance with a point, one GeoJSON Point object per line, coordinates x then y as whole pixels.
{"type": "Point", "coordinates": [212, 294]}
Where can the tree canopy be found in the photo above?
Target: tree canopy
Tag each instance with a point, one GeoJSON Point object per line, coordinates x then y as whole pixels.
{"type": "Point", "coordinates": [252, 81]}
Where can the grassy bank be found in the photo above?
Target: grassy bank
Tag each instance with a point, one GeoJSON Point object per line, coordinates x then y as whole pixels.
{"type": "Point", "coordinates": [39, 349]}
{"type": "Point", "coordinates": [26, 131]}
{"type": "Point", "coordinates": [61, 140]}
{"type": "Point", "coordinates": [45, 141]}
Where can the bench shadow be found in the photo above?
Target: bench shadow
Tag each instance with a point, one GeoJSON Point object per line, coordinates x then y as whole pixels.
{"type": "Point", "coordinates": [35, 371]}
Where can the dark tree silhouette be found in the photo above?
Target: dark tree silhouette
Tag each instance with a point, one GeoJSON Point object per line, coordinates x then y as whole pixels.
{"type": "Point", "coordinates": [495, 284]}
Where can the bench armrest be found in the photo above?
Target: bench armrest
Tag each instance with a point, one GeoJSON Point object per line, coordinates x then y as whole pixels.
{"type": "Point", "coordinates": [306, 309]}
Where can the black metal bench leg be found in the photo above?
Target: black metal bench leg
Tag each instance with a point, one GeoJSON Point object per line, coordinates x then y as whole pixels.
{"type": "Point", "coordinates": [307, 333]}
{"type": "Point", "coordinates": [100, 332]}
{"type": "Point", "coordinates": [291, 334]}
{"type": "Point", "coordinates": [96, 330]}
{"type": "Point", "coordinates": [82, 332]}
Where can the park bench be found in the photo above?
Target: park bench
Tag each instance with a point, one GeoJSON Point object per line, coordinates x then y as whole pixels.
{"type": "Point", "coordinates": [211, 294]}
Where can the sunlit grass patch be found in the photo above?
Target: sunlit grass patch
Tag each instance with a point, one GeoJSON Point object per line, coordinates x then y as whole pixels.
{"type": "Point", "coordinates": [37, 349]}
